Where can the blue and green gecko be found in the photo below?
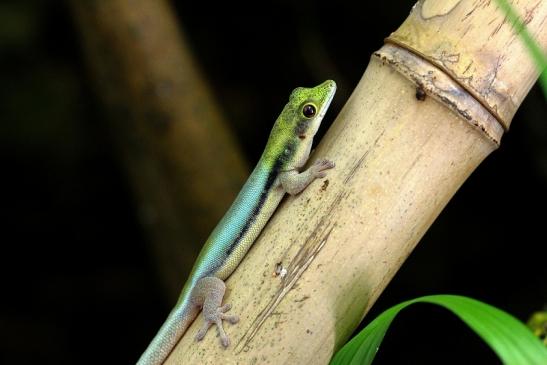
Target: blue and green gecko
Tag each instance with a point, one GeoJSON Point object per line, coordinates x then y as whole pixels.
{"type": "Point", "coordinates": [276, 173]}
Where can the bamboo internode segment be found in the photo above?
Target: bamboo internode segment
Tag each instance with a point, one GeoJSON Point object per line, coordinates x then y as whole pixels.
{"type": "Point", "coordinates": [475, 43]}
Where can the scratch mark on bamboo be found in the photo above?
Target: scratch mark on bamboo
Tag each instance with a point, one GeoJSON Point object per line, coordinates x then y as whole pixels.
{"type": "Point", "coordinates": [355, 167]}
{"type": "Point", "coordinates": [315, 241]}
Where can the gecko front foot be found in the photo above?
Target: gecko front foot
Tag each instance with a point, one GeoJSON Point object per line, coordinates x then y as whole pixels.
{"type": "Point", "coordinates": [209, 293]}
{"type": "Point", "coordinates": [318, 168]}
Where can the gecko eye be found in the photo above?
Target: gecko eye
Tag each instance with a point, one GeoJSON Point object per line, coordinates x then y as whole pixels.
{"type": "Point", "coordinates": [308, 110]}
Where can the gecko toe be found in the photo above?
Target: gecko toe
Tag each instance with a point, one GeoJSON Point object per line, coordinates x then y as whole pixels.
{"type": "Point", "coordinates": [225, 341]}
{"type": "Point", "coordinates": [322, 165]}
{"type": "Point", "coordinates": [225, 308]}
{"type": "Point", "coordinates": [230, 318]}
{"type": "Point", "coordinates": [203, 330]}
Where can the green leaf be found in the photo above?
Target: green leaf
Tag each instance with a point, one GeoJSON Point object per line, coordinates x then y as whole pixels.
{"type": "Point", "coordinates": [510, 339]}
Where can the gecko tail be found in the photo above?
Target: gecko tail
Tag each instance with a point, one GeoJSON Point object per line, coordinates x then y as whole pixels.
{"type": "Point", "coordinates": [169, 334]}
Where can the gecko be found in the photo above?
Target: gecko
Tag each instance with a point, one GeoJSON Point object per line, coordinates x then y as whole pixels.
{"type": "Point", "coordinates": [277, 172]}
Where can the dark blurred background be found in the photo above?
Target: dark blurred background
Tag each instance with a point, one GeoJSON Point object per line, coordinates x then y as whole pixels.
{"type": "Point", "coordinates": [77, 277]}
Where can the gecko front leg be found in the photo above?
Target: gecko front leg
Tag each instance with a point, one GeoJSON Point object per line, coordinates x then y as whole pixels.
{"type": "Point", "coordinates": [208, 294]}
{"type": "Point", "coordinates": [293, 182]}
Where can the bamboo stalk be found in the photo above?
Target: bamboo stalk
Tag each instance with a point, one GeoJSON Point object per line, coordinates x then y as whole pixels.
{"type": "Point", "coordinates": [167, 126]}
{"type": "Point", "coordinates": [475, 44]}
{"type": "Point", "coordinates": [411, 133]}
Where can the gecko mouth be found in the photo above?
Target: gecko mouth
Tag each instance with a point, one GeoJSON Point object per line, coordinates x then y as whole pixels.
{"type": "Point", "coordinates": [327, 103]}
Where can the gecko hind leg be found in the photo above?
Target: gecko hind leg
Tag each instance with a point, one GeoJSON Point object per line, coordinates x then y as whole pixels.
{"type": "Point", "coordinates": [208, 294]}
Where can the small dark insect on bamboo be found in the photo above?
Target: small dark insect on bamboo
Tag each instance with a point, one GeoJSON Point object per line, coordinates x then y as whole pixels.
{"type": "Point", "coordinates": [420, 93]}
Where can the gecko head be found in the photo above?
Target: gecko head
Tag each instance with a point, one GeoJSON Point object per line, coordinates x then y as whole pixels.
{"type": "Point", "coordinates": [309, 106]}
{"type": "Point", "coordinates": [299, 122]}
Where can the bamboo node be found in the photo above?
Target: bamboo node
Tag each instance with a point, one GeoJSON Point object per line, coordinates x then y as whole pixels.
{"type": "Point", "coordinates": [433, 81]}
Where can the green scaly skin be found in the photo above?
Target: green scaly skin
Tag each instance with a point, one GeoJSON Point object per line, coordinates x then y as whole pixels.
{"type": "Point", "coordinates": [276, 173]}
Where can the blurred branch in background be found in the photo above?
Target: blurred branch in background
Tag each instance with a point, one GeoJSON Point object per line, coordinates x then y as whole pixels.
{"type": "Point", "coordinates": [182, 161]}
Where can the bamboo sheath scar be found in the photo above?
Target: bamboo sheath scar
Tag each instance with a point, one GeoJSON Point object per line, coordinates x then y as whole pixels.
{"type": "Point", "coordinates": [431, 105]}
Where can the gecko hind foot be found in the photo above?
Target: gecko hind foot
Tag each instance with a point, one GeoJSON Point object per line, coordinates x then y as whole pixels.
{"type": "Point", "coordinates": [216, 318]}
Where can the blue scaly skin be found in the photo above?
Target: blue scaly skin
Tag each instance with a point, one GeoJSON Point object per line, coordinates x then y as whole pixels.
{"type": "Point", "coordinates": [277, 173]}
